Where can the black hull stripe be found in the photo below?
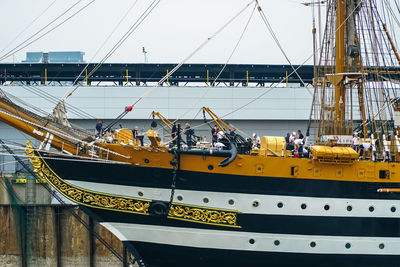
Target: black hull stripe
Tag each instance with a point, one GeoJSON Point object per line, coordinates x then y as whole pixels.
{"type": "Point", "coordinates": [131, 175]}
{"type": "Point", "coordinates": [168, 255]}
{"type": "Point", "coordinates": [275, 224]}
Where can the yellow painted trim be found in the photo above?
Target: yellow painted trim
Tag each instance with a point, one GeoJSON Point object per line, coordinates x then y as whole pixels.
{"type": "Point", "coordinates": [40, 166]}
{"type": "Point", "coordinates": [188, 220]}
{"type": "Point", "coordinates": [204, 215]}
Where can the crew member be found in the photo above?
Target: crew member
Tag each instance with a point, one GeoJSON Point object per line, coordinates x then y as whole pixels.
{"type": "Point", "coordinates": [257, 140]}
{"type": "Point", "coordinates": [300, 135]}
{"type": "Point", "coordinates": [138, 136]}
{"type": "Point", "coordinates": [214, 134]}
{"type": "Point", "coordinates": [99, 128]}
{"type": "Point", "coordinates": [356, 142]}
{"type": "Point", "coordinates": [233, 133]}
{"type": "Point", "coordinates": [220, 135]}
{"type": "Point", "coordinates": [189, 132]}
{"type": "Point", "coordinates": [174, 132]}
{"type": "Point", "coordinates": [287, 138]}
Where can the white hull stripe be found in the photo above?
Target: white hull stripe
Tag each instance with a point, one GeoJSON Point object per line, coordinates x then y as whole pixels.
{"type": "Point", "coordinates": [259, 204]}
{"type": "Point", "coordinates": [220, 239]}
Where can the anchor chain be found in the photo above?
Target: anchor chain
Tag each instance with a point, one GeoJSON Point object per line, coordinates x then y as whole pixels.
{"type": "Point", "coordinates": [175, 162]}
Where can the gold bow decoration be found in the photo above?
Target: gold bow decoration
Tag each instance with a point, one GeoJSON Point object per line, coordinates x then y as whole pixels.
{"type": "Point", "coordinates": [83, 196]}
{"type": "Point", "coordinates": [203, 215]}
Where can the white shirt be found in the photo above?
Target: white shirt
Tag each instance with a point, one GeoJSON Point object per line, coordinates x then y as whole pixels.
{"type": "Point", "coordinates": [219, 145]}
{"type": "Point", "coordinates": [355, 140]}
{"type": "Point", "coordinates": [366, 146]}
{"type": "Point", "coordinates": [220, 134]}
{"type": "Point", "coordinates": [258, 140]}
{"type": "Point", "coordinates": [298, 141]}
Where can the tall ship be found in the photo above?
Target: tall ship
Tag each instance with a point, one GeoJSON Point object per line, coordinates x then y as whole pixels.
{"type": "Point", "coordinates": [331, 199]}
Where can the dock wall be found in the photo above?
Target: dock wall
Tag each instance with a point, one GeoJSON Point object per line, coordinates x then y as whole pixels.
{"type": "Point", "coordinates": [45, 234]}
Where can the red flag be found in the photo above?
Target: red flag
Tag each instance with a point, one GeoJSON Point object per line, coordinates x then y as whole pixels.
{"type": "Point", "coordinates": [128, 108]}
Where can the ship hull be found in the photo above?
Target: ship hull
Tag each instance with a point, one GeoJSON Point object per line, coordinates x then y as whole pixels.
{"type": "Point", "coordinates": [167, 255]}
{"type": "Point", "coordinates": [277, 221]}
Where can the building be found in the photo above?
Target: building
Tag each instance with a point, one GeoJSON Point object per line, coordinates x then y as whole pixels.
{"type": "Point", "coordinates": [55, 57]}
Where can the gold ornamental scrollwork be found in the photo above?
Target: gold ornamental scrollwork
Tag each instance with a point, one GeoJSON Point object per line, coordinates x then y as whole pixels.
{"type": "Point", "coordinates": [204, 215]}
{"type": "Point", "coordinates": [196, 214]}
{"type": "Point", "coordinates": [83, 196]}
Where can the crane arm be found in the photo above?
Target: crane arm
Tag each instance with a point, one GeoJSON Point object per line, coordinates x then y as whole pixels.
{"type": "Point", "coordinates": [216, 119]}
{"type": "Point", "coordinates": [167, 122]}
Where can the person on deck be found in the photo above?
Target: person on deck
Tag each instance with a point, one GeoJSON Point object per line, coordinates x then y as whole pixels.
{"type": "Point", "coordinates": [298, 143]}
{"type": "Point", "coordinates": [138, 136]}
{"type": "Point", "coordinates": [189, 132]}
{"type": "Point", "coordinates": [292, 137]}
{"type": "Point", "coordinates": [220, 135]}
{"type": "Point", "coordinates": [287, 138]}
{"type": "Point", "coordinates": [174, 132]}
{"type": "Point", "coordinates": [99, 128]}
{"type": "Point", "coordinates": [290, 146]}
{"type": "Point", "coordinates": [233, 133]}
{"type": "Point", "coordinates": [365, 150]}
{"type": "Point", "coordinates": [356, 142]}
{"type": "Point", "coordinates": [257, 140]}
{"type": "Point", "coordinates": [214, 134]}
{"type": "Point", "coordinates": [300, 135]}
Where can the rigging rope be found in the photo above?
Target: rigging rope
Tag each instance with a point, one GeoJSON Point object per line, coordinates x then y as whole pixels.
{"type": "Point", "coordinates": [271, 31]}
{"type": "Point", "coordinates": [149, 91]}
{"type": "Point", "coordinates": [25, 44]}
{"type": "Point", "coordinates": [28, 26]}
{"type": "Point", "coordinates": [223, 68]}
{"type": "Point", "coordinates": [106, 40]}
{"type": "Point", "coordinates": [135, 25]}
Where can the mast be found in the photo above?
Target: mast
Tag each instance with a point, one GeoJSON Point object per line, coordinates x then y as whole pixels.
{"type": "Point", "coordinates": [340, 54]}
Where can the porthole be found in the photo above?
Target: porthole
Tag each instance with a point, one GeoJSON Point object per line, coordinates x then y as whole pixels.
{"type": "Point", "coordinates": [312, 244]}
{"type": "Point", "coordinates": [205, 200]}
{"type": "Point", "coordinates": [326, 207]}
{"type": "Point", "coordinates": [180, 198]}
{"type": "Point", "coordinates": [280, 204]}
{"type": "Point", "coordinates": [348, 245]}
{"type": "Point", "coordinates": [251, 241]}
{"type": "Point", "coordinates": [381, 246]}
{"type": "Point", "coordinates": [231, 201]}
{"type": "Point", "coordinates": [256, 203]}
{"type": "Point", "coordinates": [276, 242]}
{"type": "Point", "coordinates": [371, 208]}
{"type": "Point", "coordinates": [140, 193]}
{"type": "Point", "coordinates": [210, 167]}
{"type": "Point", "coordinates": [393, 209]}
{"type": "Point", "coordinates": [349, 208]}
{"type": "Point", "coordinates": [303, 206]}
{"type": "Point", "coordinates": [146, 161]}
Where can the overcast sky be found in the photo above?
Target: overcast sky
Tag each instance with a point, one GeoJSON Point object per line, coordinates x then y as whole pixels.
{"type": "Point", "coordinates": [170, 33]}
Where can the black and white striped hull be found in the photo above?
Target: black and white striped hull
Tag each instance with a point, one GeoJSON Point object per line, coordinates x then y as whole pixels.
{"type": "Point", "coordinates": [282, 221]}
{"type": "Point", "coordinates": [285, 230]}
